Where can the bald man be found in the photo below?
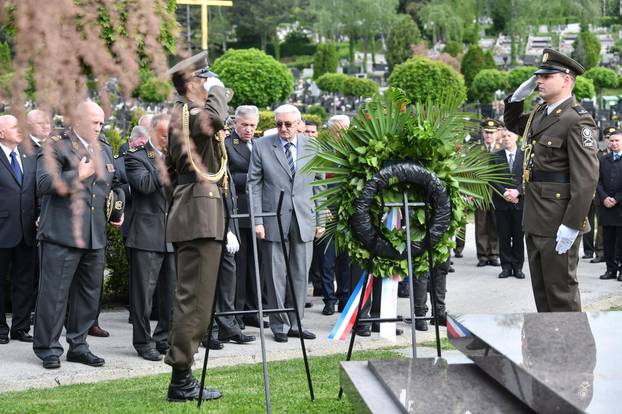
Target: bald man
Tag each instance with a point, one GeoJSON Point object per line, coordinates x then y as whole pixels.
{"type": "Point", "coordinates": [39, 127]}
{"type": "Point", "coordinates": [75, 173]}
{"type": "Point", "coordinates": [18, 252]}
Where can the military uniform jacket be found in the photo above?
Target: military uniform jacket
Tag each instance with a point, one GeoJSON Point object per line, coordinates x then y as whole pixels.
{"type": "Point", "coordinates": [146, 229]}
{"type": "Point", "coordinates": [564, 143]}
{"type": "Point", "coordinates": [119, 165]}
{"type": "Point", "coordinates": [610, 185]}
{"type": "Point", "coordinates": [196, 209]}
{"type": "Point", "coordinates": [62, 220]}
{"type": "Point", "coordinates": [239, 160]}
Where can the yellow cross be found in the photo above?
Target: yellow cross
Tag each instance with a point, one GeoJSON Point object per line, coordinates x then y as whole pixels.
{"type": "Point", "coordinates": [204, 4]}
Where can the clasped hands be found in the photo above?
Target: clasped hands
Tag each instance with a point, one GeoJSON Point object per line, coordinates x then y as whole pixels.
{"type": "Point", "coordinates": [511, 195]}
{"type": "Point", "coordinates": [609, 202]}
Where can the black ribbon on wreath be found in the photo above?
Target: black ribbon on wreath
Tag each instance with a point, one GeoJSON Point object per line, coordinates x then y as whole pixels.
{"type": "Point", "coordinates": [362, 223]}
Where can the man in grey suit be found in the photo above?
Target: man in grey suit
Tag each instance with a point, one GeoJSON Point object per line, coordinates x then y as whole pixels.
{"type": "Point", "coordinates": [276, 162]}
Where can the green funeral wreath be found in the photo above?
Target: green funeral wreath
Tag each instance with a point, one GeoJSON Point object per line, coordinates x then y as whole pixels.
{"type": "Point", "coordinates": [390, 128]}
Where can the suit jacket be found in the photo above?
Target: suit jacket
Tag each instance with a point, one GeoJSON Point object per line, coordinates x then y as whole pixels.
{"type": "Point", "coordinates": [17, 202]}
{"type": "Point", "coordinates": [196, 209]}
{"type": "Point", "coordinates": [57, 170]}
{"type": "Point", "coordinates": [239, 160]}
{"type": "Point", "coordinates": [268, 173]}
{"type": "Point", "coordinates": [564, 142]}
{"type": "Point", "coordinates": [516, 176]}
{"type": "Point", "coordinates": [610, 185]}
{"type": "Point", "coordinates": [147, 226]}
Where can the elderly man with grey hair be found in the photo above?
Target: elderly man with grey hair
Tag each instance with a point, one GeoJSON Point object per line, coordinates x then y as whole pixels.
{"type": "Point", "coordinates": [276, 163]}
{"type": "Point", "coordinates": [338, 122]}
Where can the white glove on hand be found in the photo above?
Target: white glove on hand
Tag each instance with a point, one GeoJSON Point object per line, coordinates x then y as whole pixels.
{"type": "Point", "coordinates": [211, 82]}
{"type": "Point", "coordinates": [232, 243]}
{"type": "Point", "coordinates": [524, 90]}
{"type": "Point", "coordinates": [565, 238]}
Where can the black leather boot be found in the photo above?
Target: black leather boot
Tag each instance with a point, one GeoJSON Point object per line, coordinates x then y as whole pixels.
{"type": "Point", "coordinates": [184, 387]}
{"type": "Point", "coordinates": [421, 324]}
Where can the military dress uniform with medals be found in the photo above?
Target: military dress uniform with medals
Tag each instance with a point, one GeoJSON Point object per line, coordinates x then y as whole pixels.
{"type": "Point", "coordinates": [560, 175]}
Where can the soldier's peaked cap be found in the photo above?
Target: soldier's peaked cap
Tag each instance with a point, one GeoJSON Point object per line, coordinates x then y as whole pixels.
{"type": "Point", "coordinates": [611, 131]}
{"type": "Point", "coordinates": [555, 62]}
{"type": "Point", "coordinates": [491, 125]}
{"type": "Point", "coordinates": [197, 65]}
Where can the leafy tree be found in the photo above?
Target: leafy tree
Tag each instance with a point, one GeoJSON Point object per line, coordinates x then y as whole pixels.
{"type": "Point", "coordinates": [402, 36]}
{"type": "Point", "coordinates": [6, 63]}
{"type": "Point", "coordinates": [326, 60]}
{"type": "Point", "coordinates": [422, 78]}
{"type": "Point", "coordinates": [256, 78]}
{"type": "Point", "coordinates": [584, 88]}
{"type": "Point", "coordinates": [153, 89]}
{"type": "Point", "coordinates": [453, 48]}
{"type": "Point", "coordinates": [486, 83]}
{"type": "Point", "coordinates": [317, 110]}
{"type": "Point", "coordinates": [586, 49]}
{"type": "Point", "coordinates": [331, 82]}
{"type": "Point", "coordinates": [442, 22]}
{"type": "Point", "coordinates": [353, 86]}
{"type": "Point", "coordinates": [473, 61]}
{"type": "Point", "coordinates": [519, 75]}
{"type": "Point", "coordinates": [603, 78]}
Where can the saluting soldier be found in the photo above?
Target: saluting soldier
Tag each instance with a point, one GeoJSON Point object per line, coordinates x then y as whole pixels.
{"type": "Point", "coordinates": [561, 173]}
{"type": "Point", "coordinates": [197, 166]}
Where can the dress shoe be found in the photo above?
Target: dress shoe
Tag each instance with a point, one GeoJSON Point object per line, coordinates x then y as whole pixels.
{"type": "Point", "coordinates": [458, 255]}
{"type": "Point", "coordinates": [51, 362]}
{"type": "Point", "coordinates": [519, 274]}
{"type": "Point", "coordinates": [294, 333]}
{"type": "Point", "coordinates": [505, 273]}
{"type": "Point", "coordinates": [184, 387]}
{"type": "Point", "coordinates": [21, 336]}
{"type": "Point", "coordinates": [212, 343]}
{"type": "Point", "coordinates": [598, 259]}
{"type": "Point", "coordinates": [587, 256]}
{"type": "Point", "coordinates": [421, 325]}
{"type": "Point", "coordinates": [238, 339]}
{"type": "Point", "coordinates": [87, 358]}
{"type": "Point", "coordinates": [255, 322]}
{"type": "Point", "coordinates": [494, 262]}
{"type": "Point", "coordinates": [608, 275]}
{"type": "Point", "coordinates": [482, 262]}
{"type": "Point", "coordinates": [162, 349]}
{"type": "Point", "coordinates": [97, 331]}
{"type": "Point", "coordinates": [451, 269]}
{"type": "Point", "coordinates": [280, 337]}
{"type": "Point", "coordinates": [364, 331]}
{"type": "Point", "coordinates": [150, 354]}
{"type": "Point", "coordinates": [4, 339]}
{"type": "Point", "coordinates": [308, 305]}
{"type": "Point", "coordinates": [329, 309]}
{"type": "Point", "coordinates": [442, 320]}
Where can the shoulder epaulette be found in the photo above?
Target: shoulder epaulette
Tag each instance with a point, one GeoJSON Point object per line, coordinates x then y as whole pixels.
{"type": "Point", "coordinates": [138, 148]}
{"type": "Point", "coordinates": [56, 138]}
{"type": "Point", "coordinates": [580, 110]}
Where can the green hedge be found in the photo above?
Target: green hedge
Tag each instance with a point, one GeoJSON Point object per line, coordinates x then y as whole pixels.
{"type": "Point", "coordinates": [519, 75]}
{"type": "Point", "coordinates": [486, 83]}
{"type": "Point", "coordinates": [603, 78]}
{"type": "Point", "coordinates": [331, 82]}
{"type": "Point", "coordinates": [584, 88]}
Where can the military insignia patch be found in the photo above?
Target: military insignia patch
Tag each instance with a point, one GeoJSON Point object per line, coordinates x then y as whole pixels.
{"type": "Point", "coordinates": [195, 111]}
{"type": "Point", "coordinates": [588, 137]}
{"type": "Point", "coordinates": [545, 57]}
{"type": "Point", "coordinates": [236, 141]}
{"type": "Point", "coordinates": [116, 156]}
{"type": "Point", "coordinates": [151, 154]}
{"type": "Point", "coordinates": [118, 205]}
{"type": "Point", "coordinates": [56, 138]}
{"type": "Point", "coordinates": [110, 168]}
{"type": "Point", "coordinates": [74, 145]}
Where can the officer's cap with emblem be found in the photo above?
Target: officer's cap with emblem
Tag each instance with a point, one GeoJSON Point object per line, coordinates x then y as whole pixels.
{"type": "Point", "coordinates": [491, 125]}
{"type": "Point", "coordinates": [114, 205]}
{"type": "Point", "coordinates": [611, 131]}
{"type": "Point", "coordinates": [555, 62]}
{"type": "Point", "coordinates": [196, 65]}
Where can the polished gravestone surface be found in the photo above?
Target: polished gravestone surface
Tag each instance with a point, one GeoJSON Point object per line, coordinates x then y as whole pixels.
{"type": "Point", "coordinates": [553, 362]}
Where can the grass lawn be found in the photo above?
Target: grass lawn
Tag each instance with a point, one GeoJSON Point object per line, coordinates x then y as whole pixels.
{"type": "Point", "coordinates": [616, 308]}
{"type": "Point", "coordinates": [242, 388]}
{"type": "Point", "coordinates": [445, 344]}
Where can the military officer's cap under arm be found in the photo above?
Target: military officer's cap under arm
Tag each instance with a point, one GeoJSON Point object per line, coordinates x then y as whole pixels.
{"type": "Point", "coordinates": [491, 125]}
{"type": "Point", "coordinates": [197, 65]}
{"type": "Point", "coordinates": [555, 62]}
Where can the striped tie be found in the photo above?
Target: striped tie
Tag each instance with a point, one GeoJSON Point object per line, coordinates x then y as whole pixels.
{"type": "Point", "coordinates": [290, 159]}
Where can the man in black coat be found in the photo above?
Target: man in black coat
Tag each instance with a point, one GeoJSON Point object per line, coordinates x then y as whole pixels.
{"type": "Point", "coordinates": [152, 258]}
{"type": "Point", "coordinates": [239, 146]}
{"type": "Point", "coordinates": [18, 251]}
{"type": "Point", "coordinates": [609, 193]}
{"type": "Point", "coordinates": [75, 174]}
{"type": "Point", "coordinates": [508, 202]}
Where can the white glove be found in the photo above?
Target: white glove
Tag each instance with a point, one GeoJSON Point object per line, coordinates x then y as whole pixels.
{"type": "Point", "coordinates": [565, 238]}
{"type": "Point", "coordinates": [211, 82]}
{"type": "Point", "coordinates": [232, 243]}
{"type": "Point", "coordinates": [524, 90]}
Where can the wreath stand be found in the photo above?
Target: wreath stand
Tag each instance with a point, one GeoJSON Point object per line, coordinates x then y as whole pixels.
{"type": "Point", "coordinates": [261, 311]}
{"type": "Point", "coordinates": [376, 185]}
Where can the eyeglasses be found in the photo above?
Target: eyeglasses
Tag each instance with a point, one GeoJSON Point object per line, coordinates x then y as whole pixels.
{"type": "Point", "coordinates": [287, 124]}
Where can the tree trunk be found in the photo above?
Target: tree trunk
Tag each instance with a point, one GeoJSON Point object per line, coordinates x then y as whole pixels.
{"type": "Point", "coordinates": [351, 48]}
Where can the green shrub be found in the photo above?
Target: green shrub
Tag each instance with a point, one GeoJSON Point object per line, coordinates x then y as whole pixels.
{"type": "Point", "coordinates": [603, 78]}
{"type": "Point", "coordinates": [6, 62]}
{"type": "Point", "coordinates": [422, 78]}
{"type": "Point", "coordinates": [453, 48]}
{"type": "Point", "coordinates": [519, 75]}
{"type": "Point", "coordinates": [266, 121]}
{"type": "Point", "coordinates": [584, 88]}
{"type": "Point", "coordinates": [331, 82]}
{"type": "Point", "coordinates": [403, 35]}
{"type": "Point", "coordinates": [486, 83]}
{"type": "Point", "coordinates": [473, 61]}
{"type": "Point", "coordinates": [315, 118]}
{"type": "Point", "coordinates": [586, 50]}
{"type": "Point", "coordinates": [326, 60]}
{"type": "Point", "coordinates": [115, 282]}
{"type": "Point", "coordinates": [297, 43]}
{"type": "Point", "coordinates": [256, 78]}
{"type": "Point", "coordinates": [317, 110]}
{"type": "Point", "coordinates": [153, 89]}
{"type": "Point", "coordinates": [353, 86]}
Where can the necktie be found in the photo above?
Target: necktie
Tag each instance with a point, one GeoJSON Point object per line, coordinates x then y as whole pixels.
{"type": "Point", "coordinates": [16, 169]}
{"type": "Point", "coordinates": [290, 159]}
{"type": "Point", "coordinates": [511, 162]}
{"type": "Point", "coordinates": [616, 156]}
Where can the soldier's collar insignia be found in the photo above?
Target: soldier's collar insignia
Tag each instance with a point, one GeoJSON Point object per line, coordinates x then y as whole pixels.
{"type": "Point", "coordinates": [545, 57]}
{"type": "Point", "coordinates": [236, 141]}
{"type": "Point", "coordinates": [116, 156]}
{"type": "Point", "coordinates": [74, 145]}
{"type": "Point", "coordinates": [151, 154]}
{"type": "Point", "coordinates": [588, 138]}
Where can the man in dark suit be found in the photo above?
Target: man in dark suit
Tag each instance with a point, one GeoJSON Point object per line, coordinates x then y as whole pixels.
{"type": "Point", "coordinates": [75, 174]}
{"type": "Point", "coordinates": [508, 203]}
{"type": "Point", "coordinates": [239, 146]}
{"type": "Point", "coordinates": [153, 260]}
{"type": "Point", "coordinates": [18, 252]}
{"type": "Point", "coordinates": [609, 193]}
{"type": "Point", "coordinates": [39, 128]}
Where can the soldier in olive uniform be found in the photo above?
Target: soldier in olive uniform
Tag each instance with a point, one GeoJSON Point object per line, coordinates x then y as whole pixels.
{"type": "Point", "coordinates": [197, 170]}
{"type": "Point", "coordinates": [560, 179]}
{"type": "Point", "coordinates": [75, 173]}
